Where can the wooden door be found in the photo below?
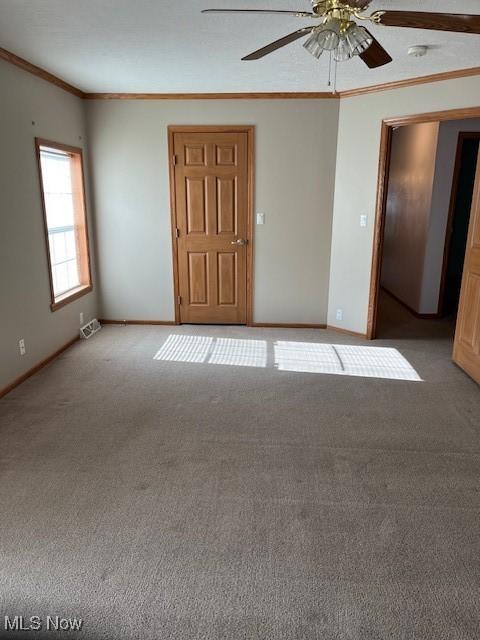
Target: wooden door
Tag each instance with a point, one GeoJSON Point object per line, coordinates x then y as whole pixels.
{"type": "Point", "coordinates": [211, 192]}
{"type": "Point", "coordinates": [466, 350]}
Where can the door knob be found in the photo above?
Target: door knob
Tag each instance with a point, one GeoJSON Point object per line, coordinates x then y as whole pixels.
{"type": "Point", "coordinates": [240, 242]}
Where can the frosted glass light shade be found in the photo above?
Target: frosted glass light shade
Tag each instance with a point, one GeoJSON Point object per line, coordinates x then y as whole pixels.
{"type": "Point", "coordinates": [328, 39]}
{"type": "Point", "coordinates": [358, 39]}
{"type": "Point", "coordinates": [324, 38]}
{"type": "Point", "coordinates": [312, 45]}
{"type": "Point", "coordinates": [343, 51]}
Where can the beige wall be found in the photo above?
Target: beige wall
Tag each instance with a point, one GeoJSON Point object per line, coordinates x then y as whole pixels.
{"type": "Point", "coordinates": [356, 184]}
{"type": "Point", "coordinates": [295, 146]}
{"type": "Point", "coordinates": [407, 211]}
{"type": "Point", "coordinates": [24, 284]}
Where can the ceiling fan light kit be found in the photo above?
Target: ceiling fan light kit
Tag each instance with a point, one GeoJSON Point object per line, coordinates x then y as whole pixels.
{"type": "Point", "coordinates": [340, 35]}
{"type": "Point", "coordinates": [345, 40]}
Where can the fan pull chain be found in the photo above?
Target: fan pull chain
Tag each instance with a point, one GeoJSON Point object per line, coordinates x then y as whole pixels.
{"type": "Point", "coordinates": [329, 83]}
{"type": "Point", "coordinates": [335, 77]}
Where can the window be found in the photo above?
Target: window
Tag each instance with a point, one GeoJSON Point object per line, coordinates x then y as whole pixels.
{"type": "Point", "coordinates": [61, 179]}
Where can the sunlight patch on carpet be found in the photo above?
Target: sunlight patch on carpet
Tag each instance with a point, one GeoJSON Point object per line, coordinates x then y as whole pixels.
{"type": "Point", "coordinates": [302, 357]}
{"type": "Point", "coordinates": [340, 359]}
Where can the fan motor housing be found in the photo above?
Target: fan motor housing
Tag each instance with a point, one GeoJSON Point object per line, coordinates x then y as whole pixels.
{"type": "Point", "coordinates": [322, 6]}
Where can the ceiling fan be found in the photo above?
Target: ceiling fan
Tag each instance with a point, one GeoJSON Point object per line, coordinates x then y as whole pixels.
{"type": "Point", "coordinates": [344, 38]}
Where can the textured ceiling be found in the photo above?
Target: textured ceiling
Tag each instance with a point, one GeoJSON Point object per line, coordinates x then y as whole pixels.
{"type": "Point", "coordinates": [159, 46]}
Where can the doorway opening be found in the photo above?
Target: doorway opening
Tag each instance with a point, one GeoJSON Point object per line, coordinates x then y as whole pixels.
{"type": "Point", "coordinates": [458, 221]}
{"type": "Point", "coordinates": [426, 200]}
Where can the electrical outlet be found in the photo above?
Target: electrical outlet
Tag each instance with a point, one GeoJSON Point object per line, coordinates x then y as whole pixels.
{"type": "Point", "coordinates": [260, 218]}
{"type": "Point", "coordinates": [81, 318]}
{"type": "Point", "coordinates": [21, 347]}
{"type": "Point", "coordinates": [339, 314]}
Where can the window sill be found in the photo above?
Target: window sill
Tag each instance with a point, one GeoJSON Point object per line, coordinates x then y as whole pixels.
{"type": "Point", "coordinates": [70, 296]}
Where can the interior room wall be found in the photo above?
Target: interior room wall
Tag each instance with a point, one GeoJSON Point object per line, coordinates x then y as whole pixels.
{"type": "Point", "coordinates": [295, 148]}
{"type": "Point", "coordinates": [31, 107]}
{"type": "Point", "coordinates": [408, 210]}
{"type": "Point", "coordinates": [356, 184]}
{"type": "Point", "coordinates": [442, 187]}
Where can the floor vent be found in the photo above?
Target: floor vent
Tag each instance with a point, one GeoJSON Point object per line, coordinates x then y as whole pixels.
{"type": "Point", "coordinates": [89, 329]}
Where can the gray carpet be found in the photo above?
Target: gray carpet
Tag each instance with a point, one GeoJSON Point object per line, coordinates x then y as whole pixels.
{"type": "Point", "coordinates": [164, 500]}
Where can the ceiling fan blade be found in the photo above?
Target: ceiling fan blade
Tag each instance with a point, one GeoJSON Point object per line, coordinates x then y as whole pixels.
{"type": "Point", "coordinates": [299, 14]}
{"type": "Point", "coordinates": [273, 46]}
{"type": "Point", "coordinates": [463, 23]}
{"type": "Point", "coordinates": [375, 56]}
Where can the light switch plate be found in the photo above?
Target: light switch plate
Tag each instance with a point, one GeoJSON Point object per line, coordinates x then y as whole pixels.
{"type": "Point", "coordinates": [260, 218]}
{"type": "Point", "coordinates": [363, 220]}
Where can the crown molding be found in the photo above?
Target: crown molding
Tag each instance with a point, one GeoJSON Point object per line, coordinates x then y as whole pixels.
{"type": "Point", "coordinates": [10, 57]}
{"type": "Point", "coordinates": [278, 95]}
{"type": "Point", "coordinates": [348, 93]}
{"type": "Point", "coordinates": [410, 82]}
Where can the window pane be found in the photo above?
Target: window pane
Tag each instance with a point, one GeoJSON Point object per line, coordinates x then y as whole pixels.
{"type": "Point", "coordinates": [59, 208]}
{"type": "Point", "coordinates": [60, 247]}
{"type": "Point", "coordinates": [71, 247]}
{"type": "Point", "coordinates": [56, 171]}
{"type": "Point", "coordinates": [61, 278]}
{"type": "Point", "coordinates": [73, 280]}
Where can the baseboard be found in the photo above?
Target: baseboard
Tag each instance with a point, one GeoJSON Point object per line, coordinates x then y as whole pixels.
{"type": "Point", "coordinates": [258, 325]}
{"type": "Point", "coordinates": [37, 367]}
{"type": "Point", "coordinates": [283, 325]}
{"type": "Point", "coordinates": [347, 332]}
{"type": "Point", "coordinates": [420, 316]}
{"type": "Point", "coordinates": [264, 325]}
{"type": "Point", "coordinates": [155, 322]}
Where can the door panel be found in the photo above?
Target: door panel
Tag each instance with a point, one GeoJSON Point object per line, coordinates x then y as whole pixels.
{"type": "Point", "coordinates": [195, 155]}
{"type": "Point", "coordinates": [466, 351]}
{"type": "Point", "coordinates": [211, 207]}
{"type": "Point", "coordinates": [198, 278]}
{"type": "Point", "coordinates": [227, 205]}
{"type": "Point", "coordinates": [227, 277]}
{"type": "Point", "coordinates": [196, 205]}
{"type": "Point", "coordinates": [226, 155]}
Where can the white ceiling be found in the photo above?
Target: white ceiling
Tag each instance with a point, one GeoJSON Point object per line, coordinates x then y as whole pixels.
{"type": "Point", "coordinates": [160, 46]}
